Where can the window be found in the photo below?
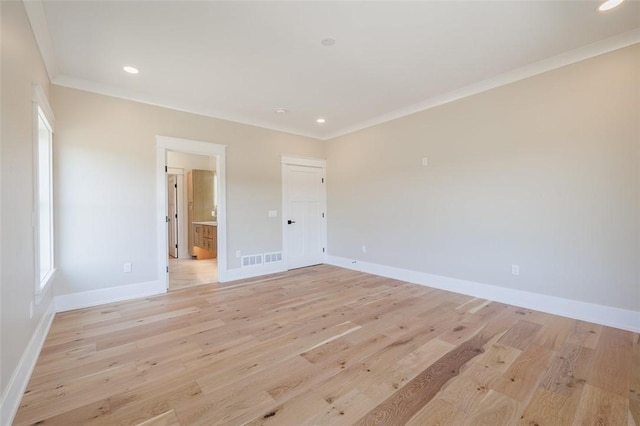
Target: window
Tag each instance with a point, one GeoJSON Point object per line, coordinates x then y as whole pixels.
{"type": "Point", "coordinates": [43, 197]}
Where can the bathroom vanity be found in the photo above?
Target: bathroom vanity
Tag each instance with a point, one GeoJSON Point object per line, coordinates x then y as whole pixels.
{"type": "Point", "coordinates": [205, 239]}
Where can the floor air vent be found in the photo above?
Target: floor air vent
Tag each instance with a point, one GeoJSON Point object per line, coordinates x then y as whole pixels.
{"type": "Point", "coordinates": [273, 257]}
{"type": "Point", "coordinates": [252, 260]}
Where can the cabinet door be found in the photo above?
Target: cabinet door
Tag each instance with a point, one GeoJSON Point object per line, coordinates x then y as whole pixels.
{"type": "Point", "coordinates": [214, 241]}
{"type": "Point", "coordinates": [198, 237]}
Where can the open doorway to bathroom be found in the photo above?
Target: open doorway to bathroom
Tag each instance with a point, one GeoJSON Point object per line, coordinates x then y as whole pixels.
{"type": "Point", "coordinates": [192, 202]}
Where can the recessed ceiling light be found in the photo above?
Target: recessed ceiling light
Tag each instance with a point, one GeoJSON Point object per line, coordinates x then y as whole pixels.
{"type": "Point", "coordinates": [321, 121]}
{"type": "Point", "coordinates": [131, 70]}
{"type": "Point", "coordinates": [609, 4]}
{"type": "Point", "coordinates": [281, 111]}
{"type": "Point", "coordinates": [327, 42]}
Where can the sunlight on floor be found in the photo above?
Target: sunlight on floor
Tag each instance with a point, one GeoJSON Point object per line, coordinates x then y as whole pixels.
{"type": "Point", "coordinates": [188, 272]}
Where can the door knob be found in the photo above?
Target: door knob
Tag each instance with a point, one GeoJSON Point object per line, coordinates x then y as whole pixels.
{"type": "Point", "coordinates": [289, 222]}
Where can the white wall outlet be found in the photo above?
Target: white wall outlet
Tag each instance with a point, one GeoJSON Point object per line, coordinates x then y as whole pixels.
{"type": "Point", "coordinates": [127, 267]}
{"type": "Point", "coordinates": [515, 269]}
{"type": "Point", "coordinates": [364, 249]}
{"type": "Point", "coordinates": [272, 213]}
{"type": "Point", "coordinates": [238, 254]}
{"type": "Point", "coordinates": [213, 213]}
{"type": "Point", "coordinates": [425, 161]}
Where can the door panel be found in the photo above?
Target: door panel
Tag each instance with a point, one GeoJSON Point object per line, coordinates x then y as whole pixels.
{"type": "Point", "coordinates": [172, 213]}
{"type": "Point", "coordinates": [304, 194]}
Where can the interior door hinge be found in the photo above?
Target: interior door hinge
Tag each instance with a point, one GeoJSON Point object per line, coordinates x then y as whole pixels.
{"type": "Point", "coordinates": [175, 185]}
{"type": "Point", "coordinates": [323, 249]}
{"type": "Point", "coordinates": [167, 269]}
{"type": "Point", "coordinates": [176, 246]}
{"type": "Point", "coordinates": [166, 219]}
{"type": "Point", "coordinates": [176, 215]}
{"type": "Point", "coordinates": [166, 169]}
{"type": "Point", "coordinates": [322, 214]}
{"type": "Point", "coordinates": [322, 180]}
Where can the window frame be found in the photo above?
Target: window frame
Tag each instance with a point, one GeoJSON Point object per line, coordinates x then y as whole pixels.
{"type": "Point", "coordinates": [42, 111]}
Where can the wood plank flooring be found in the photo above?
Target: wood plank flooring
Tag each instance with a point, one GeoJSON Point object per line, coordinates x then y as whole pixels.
{"type": "Point", "coordinates": [185, 273]}
{"type": "Point", "coordinates": [329, 346]}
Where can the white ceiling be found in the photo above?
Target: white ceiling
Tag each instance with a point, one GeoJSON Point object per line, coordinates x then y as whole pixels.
{"type": "Point", "coordinates": [242, 60]}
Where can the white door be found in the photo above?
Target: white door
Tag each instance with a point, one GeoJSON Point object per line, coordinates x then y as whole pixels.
{"type": "Point", "coordinates": [172, 214]}
{"type": "Point", "coordinates": [304, 215]}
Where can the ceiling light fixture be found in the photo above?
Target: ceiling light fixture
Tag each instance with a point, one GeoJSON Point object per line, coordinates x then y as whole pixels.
{"type": "Point", "coordinates": [321, 120]}
{"type": "Point", "coordinates": [281, 111]}
{"type": "Point", "coordinates": [328, 42]}
{"type": "Point", "coordinates": [609, 4]}
{"type": "Point", "coordinates": [131, 70]}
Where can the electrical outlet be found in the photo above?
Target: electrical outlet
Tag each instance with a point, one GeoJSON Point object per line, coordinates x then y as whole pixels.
{"type": "Point", "coordinates": [515, 269]}
{"type": "Point", "coordinates": [364, 249]}
{"type": "Point", "coordinates": [238, 254]}
{"type": "Point", "coordinates": [425, 161]}
{"type": "Point", "coordinates": [272, 213]}
{"type": "Point", "coordinates": [127, 267]}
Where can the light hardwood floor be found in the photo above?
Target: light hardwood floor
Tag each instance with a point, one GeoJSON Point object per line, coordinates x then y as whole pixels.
{"type": "Point", "coordinates": [328, 346]}
{"type": "Point", "coordinates": [185, 273]}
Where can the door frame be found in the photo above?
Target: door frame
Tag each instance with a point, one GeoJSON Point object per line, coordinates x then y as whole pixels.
{"type": "Point", "coordinates": [168, 143]}
{"type": "Point", "coordinates": [308, 162]}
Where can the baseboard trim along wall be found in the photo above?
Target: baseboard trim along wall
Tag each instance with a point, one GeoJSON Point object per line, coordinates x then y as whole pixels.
{"type": "Point", "coordinates": [599, 314]}
{"type": "Point", "coordinates": [254, 271]}
{"type": "Point", "coordinates": [85, 299]}
{"type": "Point", "coordinates": [20, 378]}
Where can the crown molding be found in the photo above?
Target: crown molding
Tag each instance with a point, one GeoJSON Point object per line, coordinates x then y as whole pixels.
{"type": "Point", "coordinates": [130, 95]}
{"type": "Point", "coordinates": [37, 18]}
{"type": "Point", "coordinates": [40, 28]}
{"type": "Point", "coordinates": [577, 55]}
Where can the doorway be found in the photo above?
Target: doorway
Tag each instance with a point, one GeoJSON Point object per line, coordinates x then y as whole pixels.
{"type": "Point", "coordinates": [183, 269]}
{"type": "Point", "coordinates": [304, 211]}
{"type": "Point", "coordinates": [192, 204]}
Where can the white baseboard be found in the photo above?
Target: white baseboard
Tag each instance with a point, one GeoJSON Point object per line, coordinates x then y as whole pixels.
{"type": "Point", "coordinates": [85, 299]}
{"type": "Point", "coordinates": [21, 375]}
{"type": "Point", "coordinates": [599, 314]}
{"type": "Point", "coordinates": [254, 271]}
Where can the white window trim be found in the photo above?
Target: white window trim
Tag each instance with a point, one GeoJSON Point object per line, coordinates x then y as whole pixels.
{"type": "Point", "coordinates": [41, 104]}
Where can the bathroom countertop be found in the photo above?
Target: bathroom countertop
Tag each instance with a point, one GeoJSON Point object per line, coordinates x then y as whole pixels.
{"type": "Point", "coordinates": [210, 223]}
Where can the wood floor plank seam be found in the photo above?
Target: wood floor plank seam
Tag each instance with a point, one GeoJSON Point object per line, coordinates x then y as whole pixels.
{"type": "Point", "coordinates": [329, 346]}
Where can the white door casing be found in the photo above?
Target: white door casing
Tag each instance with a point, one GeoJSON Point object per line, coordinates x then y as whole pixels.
{"type": "Point", "coordinates": [303, 211]}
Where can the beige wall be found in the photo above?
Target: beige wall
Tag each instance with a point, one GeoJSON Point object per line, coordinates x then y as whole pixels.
{"type": "Point", "coordinates": [105, 185]}
{"type": "Point", "coordinates": [21, 66]}
{"type": "Point", "coordinates": [544, 173]}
